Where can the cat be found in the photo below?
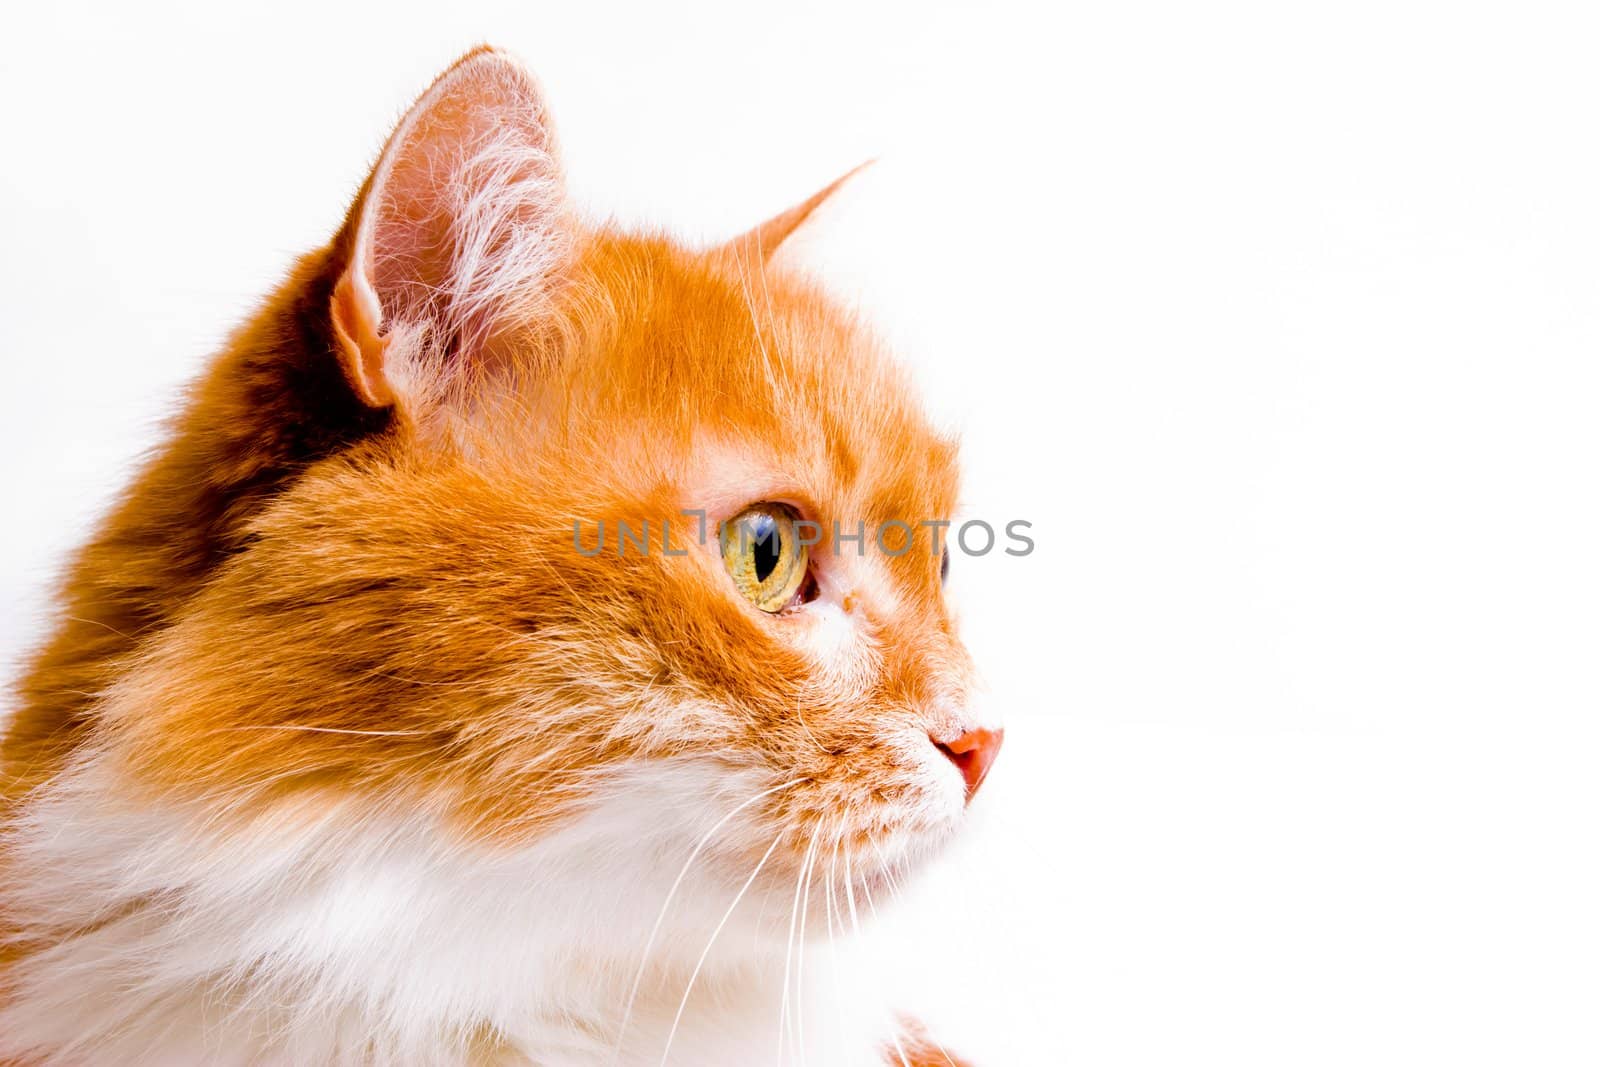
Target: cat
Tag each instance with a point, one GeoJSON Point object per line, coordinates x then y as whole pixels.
{"type": "Point", "coordinates": [348, 748]}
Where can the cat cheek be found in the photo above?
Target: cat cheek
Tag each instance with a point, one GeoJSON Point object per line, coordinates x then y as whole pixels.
{"type": "Point", "coordinates": [832, 640]}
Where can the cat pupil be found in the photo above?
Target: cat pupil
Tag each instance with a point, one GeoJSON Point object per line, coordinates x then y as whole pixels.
{"type": "Point", "coordinates": [767, 547]}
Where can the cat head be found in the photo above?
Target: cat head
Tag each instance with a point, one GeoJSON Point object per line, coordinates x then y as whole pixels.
{"type": "Point", "coordinates": [564, 553]}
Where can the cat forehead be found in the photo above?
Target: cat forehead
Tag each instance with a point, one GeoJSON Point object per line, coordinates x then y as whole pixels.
{"type": "Point", "coordinates": [751, 379]}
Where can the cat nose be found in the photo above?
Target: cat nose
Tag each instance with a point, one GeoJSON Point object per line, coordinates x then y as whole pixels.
{"type": "Point", "coordinates": [973, 754]}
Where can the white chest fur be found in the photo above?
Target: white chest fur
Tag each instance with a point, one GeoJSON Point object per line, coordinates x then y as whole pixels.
{"type": "Point", "coordinates": [327, 935]}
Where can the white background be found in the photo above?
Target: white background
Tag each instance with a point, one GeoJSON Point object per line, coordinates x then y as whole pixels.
{"type": "Point", "coordinates": [1281, 328]}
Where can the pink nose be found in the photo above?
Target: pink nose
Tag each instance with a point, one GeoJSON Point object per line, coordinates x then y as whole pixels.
{"type": "Point", "coordinates": [973, 754]}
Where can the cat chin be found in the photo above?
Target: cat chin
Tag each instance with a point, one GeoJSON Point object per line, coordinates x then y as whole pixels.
{"type": "Point", "coordinates": [330, 917]}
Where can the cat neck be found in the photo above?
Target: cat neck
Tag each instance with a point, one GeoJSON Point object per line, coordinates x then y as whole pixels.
{"type": "Point", "coordinates": [330, 935]}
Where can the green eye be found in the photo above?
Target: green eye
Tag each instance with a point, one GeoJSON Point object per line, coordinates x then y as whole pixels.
{"type": "Point", "coordinates": [762, 551]}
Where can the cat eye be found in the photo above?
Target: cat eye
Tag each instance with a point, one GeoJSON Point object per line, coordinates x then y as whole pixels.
{"type": "Point", "coordinates": [944, 567]}
{"type": "Point", "coordinates": [762, 550]}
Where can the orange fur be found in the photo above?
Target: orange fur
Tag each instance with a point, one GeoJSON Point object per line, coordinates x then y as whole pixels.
{"type": "Point", "coordinates": [317, 588]}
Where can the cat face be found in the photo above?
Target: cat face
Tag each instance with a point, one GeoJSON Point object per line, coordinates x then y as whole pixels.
{"type": "Point", "coordinates": [513, 596]}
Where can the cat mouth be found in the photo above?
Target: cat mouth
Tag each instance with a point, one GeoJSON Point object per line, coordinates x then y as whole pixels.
{"type": "Point", "coordinates": [877, 866]}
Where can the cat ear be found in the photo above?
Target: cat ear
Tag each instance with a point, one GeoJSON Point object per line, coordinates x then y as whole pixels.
{"type": "Point", "coordinates": [457, 235]}
{"type": "Point", "coordinates": [763, 240]}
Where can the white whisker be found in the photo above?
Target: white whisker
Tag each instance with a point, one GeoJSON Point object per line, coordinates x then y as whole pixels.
{"type": "Point", "coordinates": [833, 943]}
{"type": "Point", "coordinates": [788, 951]}
{"type": "Point", "coordinates": [800, 961]}
{"type": "Point", "coordinates": [655, 930]}
{"type": "Point", "coordinates": [333, 730]}
{"type": "Point", "coordinates": [689, 987]}
{"type": "Point", "coordinates": [893, 882]}
{"type": "Point", "coordinates": [849, 883]}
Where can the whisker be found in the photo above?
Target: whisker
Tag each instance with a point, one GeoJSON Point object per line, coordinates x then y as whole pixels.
{"type": "Point", "coordinates": [689, 988]}
{"type": "Point", "coordinates": [655, 930]}
{"type": "Point", "coordinates": [107, 626]}
{"type": "Point", "coordinates": [893, 882]}
{"type": "Point", "coordinates": [889, 874]}
{"type": "Point", "coordinates": [894, 1031]}
{"type": "Point", "coordinates": [833, 944]}
{"type": "Point", "coordinates": [331, 730]}
{"type": "Point", "coordinates": [800, 962]}
{"type": "Point", "coordinates": [788, 950]}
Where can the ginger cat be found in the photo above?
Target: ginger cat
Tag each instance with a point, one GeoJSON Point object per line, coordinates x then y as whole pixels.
{"type": "Point", "coordinates": [352, 747]}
